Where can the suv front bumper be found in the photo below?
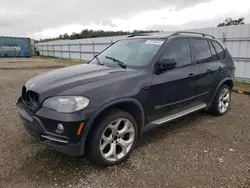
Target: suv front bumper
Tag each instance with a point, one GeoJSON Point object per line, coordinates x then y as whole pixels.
{"type": "Point", "coordinates": [43, 129]}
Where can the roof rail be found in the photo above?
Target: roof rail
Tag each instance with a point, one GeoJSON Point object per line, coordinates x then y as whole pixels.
{"type": "Point", "coordinates": [196, 33]}
{"type": "Point", "coordinates": [137, 34]}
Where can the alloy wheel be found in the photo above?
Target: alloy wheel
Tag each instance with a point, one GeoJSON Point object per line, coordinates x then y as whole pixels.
{"type": "Point", "coordinates": [224, 100]}
{"type": "Point", "coordinates": [117, 139]}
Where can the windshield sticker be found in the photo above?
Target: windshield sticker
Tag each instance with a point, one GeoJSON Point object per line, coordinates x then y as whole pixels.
{"type": "Point", "coordinates": [155, 42]}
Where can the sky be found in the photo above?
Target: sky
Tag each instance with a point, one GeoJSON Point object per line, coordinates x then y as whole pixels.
{"type": "Point", "coordinates": [49, 18]}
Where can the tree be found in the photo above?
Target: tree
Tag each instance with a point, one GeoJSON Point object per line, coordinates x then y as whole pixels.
{"type": "Point", "coordinates": [230, 21]}
{"type": "Point", "coordinates": [66, 36]}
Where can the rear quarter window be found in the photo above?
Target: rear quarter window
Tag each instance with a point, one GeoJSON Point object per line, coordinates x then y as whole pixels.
{"type": "Point", "coordinates": [220, 51]}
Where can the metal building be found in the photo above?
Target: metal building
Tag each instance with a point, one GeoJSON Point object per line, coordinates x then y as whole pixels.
{"type": "Point", "coordinates": [15, 47]}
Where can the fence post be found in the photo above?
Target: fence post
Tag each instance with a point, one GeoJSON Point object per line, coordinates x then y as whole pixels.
{"type": "Point", "coordinates": [80, 49]}
{"type": "Point", "coordinates": [53, 50]}
{"type": "Point", "coordinates": [61, 50]}
{"type": "Point", "coordinates": [111, 42]}
{"type": "Point", "coordinates": [93, 48]}
{"type": "Point", "coordinates": [223, 37]}
{"type": "Point", "coordinates": [69, 52]}
{"type": "Point", "coordinates": [47, 50]}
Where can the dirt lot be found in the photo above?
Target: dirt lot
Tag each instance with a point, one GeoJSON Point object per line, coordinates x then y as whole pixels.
{"type": "Point", "coordinates": [199, 150]}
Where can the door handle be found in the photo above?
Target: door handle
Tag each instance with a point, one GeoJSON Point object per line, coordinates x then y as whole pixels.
{"type": "Point", "coordinates": [191, 75]}
{"type": "Point", "coordinates": [209, 70]}
{"type": "Point", "coordinates": [146, 88]}
{"type": "Point", "coordinates": [220, 68]}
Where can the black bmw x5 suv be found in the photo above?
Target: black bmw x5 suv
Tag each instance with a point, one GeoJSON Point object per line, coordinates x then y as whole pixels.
{"type": "Point", "coordinates": [140, 82]}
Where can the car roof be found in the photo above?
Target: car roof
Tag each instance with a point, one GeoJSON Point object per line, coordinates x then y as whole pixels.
{"type": "Point", "coordinates": [147, 37]}
{"type": "Point", "coordinates": [174, 34]}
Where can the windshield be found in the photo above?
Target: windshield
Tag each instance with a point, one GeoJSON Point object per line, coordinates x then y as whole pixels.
{"type": "Point", "coordinates": [134, 53]}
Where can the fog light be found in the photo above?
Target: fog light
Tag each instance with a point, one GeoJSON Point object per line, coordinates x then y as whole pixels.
{"type": "Point", "coordinates": [60, 128]}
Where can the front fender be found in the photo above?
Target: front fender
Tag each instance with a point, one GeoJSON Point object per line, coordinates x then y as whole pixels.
{"type": "Point", "coordinates": [102, 109]}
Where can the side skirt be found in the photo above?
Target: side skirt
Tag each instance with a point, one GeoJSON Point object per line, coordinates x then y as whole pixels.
{"type": "Point", "coordinates": [175, 116]}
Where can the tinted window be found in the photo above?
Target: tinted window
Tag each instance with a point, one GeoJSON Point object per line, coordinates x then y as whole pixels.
{"type": "Point", "coordinates": [214, 55]}
{"type": "Point", "coordinates": [219, 50]}
{"type": "Point", "coordinates": [178, 50]}
{"type": "Point", "coordinates": [202, 51]}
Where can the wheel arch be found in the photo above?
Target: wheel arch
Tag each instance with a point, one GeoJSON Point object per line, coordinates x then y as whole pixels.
{"type": "Point", "coordinates": [130, 105]}
{"type": "Point", "coordinates": [227, 81]}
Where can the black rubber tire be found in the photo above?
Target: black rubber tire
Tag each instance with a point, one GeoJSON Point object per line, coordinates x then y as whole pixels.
{"type": "Point", "coordinates": [93, 150]}
{"type": "Point", "coordinates": [214, 109]}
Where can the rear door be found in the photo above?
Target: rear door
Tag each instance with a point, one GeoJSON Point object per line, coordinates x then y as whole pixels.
{"type": "Point", "coordinates": [174, 89]}
{"type": "Point", "coordinates": [225, 64]}
{"type": "Point", "coordinates": [206, 69]}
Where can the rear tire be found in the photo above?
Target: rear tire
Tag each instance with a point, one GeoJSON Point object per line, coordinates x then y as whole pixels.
{"type": "Point", "coordinates": [221, 101]}
{"type": "Point", "coordinates": [113, 138]}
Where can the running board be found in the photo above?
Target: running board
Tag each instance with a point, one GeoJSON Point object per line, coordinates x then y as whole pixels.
{"type": "Point", "coordinates": [179, 114]}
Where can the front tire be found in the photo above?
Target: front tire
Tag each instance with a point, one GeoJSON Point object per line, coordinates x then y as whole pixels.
{"type": "Point", "coordinates": [113, 138]}
{"type": "Point", "coordinates": [222, 101]}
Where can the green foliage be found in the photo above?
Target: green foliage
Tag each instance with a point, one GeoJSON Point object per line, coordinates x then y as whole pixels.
{"type": "Point", "coordinates": [65, 60]}
{"type": "Point", "coordinates": [230, 21]}
{"type": "Point", "coordinates": [86, 33]}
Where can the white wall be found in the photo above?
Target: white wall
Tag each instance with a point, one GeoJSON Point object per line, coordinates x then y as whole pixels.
{"type": "Point", "coordinates": [237, 41]}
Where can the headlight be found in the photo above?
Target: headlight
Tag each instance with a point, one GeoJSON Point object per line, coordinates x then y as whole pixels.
{"type": "Point", "coordinates": [66, 104]}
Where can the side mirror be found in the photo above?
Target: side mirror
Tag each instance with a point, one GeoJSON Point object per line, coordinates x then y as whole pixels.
{"type": "Point", "coordinates": [168, 64]}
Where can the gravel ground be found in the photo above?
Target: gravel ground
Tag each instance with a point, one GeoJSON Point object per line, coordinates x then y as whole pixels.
{"type": "Point", "coordinates": [199, 150]}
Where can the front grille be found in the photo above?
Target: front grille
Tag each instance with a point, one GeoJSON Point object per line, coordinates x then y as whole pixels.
{"type": "Point", "coordinates": [23, 93]}
{"type": "Point", "coordinates": [31, 98]}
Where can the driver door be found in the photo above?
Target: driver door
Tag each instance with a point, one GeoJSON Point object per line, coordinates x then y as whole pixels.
{"type": "Point", "coordinates": [173, 90]}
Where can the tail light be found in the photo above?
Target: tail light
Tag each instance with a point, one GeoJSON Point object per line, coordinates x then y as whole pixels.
{"type": "Point", "coordinates": [234, 67]}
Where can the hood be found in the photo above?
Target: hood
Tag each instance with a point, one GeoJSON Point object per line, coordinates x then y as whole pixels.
{"type": "Point", "coordinates": [66, 78]}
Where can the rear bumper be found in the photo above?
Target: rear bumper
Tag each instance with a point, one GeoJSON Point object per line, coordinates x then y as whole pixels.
{"type": "Point", "coordinates": [35, 127]}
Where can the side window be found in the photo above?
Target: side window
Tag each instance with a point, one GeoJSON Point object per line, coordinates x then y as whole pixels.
{"type": "Point", "coordinates": [214, 54]}
{"type": "Point", "coordinates": [202, 51]}
{"type": "Point", "coordinates": [220, 51]}
{"type": "Point", "coordinates": [178, 50]}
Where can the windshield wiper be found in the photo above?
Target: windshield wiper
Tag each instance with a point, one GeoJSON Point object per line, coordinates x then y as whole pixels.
{"type": "Point", "coordinates": [117, 61]}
